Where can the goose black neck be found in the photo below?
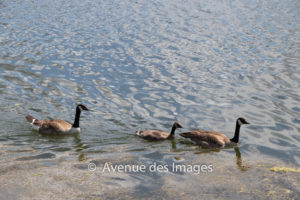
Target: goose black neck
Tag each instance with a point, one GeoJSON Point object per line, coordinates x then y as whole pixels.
{"type": "Point", "coordinates": [77, 118]}
{"type": "Point", "coordinates": [236, 137]}
{"type": "Point", "coordinates": [172, 131]}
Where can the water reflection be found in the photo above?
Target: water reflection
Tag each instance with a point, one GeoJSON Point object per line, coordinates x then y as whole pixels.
{"type": "Point", "coordinates": [79, 147]}
{"type": "Point", "coordinates": [238, 156]}
{"type": "Point", "coordinates": [173, 144]}
{"type": "Point", "coordinates": [204, 151]}
{"type": "Point", "coordinates": [239, 161]}
{"type": "Point", "coordinates": [145, 63]}
{"type": "Point", "coordinates": [140, 70]}
{"type": "Point", "coordinates": [71, 143]}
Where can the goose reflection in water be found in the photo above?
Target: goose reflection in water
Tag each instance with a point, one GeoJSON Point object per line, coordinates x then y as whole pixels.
{"type": "Point", "coordinates": [79, 146]}
{"type": "Point", "coordinates": [239, 161]}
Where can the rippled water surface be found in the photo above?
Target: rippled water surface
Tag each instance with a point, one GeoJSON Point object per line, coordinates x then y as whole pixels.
{"type": "Point", "coordinates": [143, 65]}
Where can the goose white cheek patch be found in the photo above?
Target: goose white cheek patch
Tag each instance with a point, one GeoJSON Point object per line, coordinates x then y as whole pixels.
{"type": "Point", "coordinates": [239, 122]}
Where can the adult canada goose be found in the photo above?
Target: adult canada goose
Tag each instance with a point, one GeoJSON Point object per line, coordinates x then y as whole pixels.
{"type": "Point", "coordinates": [57, 126]}
{"type": "Point", "coordinates": [158, 135]}
{"type": "Point", "coordinates": [212, 139]}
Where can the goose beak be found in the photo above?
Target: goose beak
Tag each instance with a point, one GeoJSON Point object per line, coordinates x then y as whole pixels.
{"type": "Point", "coordinates": [85, 108]}
{"type": "Point", "coordinates": [179, 126]}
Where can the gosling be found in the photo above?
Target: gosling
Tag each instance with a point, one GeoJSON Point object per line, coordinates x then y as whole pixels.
{"type": "Point", "coordinates": [157, 134]}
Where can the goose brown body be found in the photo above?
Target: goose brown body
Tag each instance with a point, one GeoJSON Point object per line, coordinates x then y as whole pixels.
{"type": "Point", "coordinates": [157, 134]}
{"type": "Point", "coordinates": [57, 126]}
{"type": "Point", "coordinates": [153, 134]}
{"type": "Point", "coordinates": [212, 139]}
{"type": "Point", "coordinates": [207, 139]}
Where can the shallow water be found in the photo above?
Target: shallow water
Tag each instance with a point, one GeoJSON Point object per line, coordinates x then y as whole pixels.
{"type": "Point", "coordinates": [142, 65]}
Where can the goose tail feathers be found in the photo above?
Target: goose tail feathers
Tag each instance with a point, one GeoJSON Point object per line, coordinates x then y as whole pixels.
{"type": "Point", "coordinates": [138, 132]}
{"type": "Point", "coordinates": [29, 118]}
{"type": "Point", "coordinates": [32, 120]}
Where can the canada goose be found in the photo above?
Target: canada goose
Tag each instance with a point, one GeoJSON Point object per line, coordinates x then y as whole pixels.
{"type": "Point", "coordinates": [57, 126]}
{"type": "Point", "coordinates": [158, 135]}
{"type": "Point", "coordinates": [212, 139]}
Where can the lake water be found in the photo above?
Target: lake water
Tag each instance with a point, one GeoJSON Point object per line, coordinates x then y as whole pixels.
{"type": "Point", "coordinates": [143, 65]}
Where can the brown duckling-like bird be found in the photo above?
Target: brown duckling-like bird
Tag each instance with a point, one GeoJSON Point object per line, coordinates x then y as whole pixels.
{"type": "Point", "coordinates": [212, 139]}
{"type": "Point", "coordinates": [57, 126]}
{"type": "Point", "coordinates": [157, 134]}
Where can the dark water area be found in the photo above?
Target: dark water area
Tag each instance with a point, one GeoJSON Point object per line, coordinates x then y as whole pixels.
{"type": "Point", "coordinates": [143, 65]}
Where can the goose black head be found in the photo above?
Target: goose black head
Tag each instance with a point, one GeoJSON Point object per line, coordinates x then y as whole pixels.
{"type": "Point", "coordinates": [242, 121]}
{"type": "Point", "coordinates": [177, 125]}
{"type": "Point", "coordinates": [82, 107]}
